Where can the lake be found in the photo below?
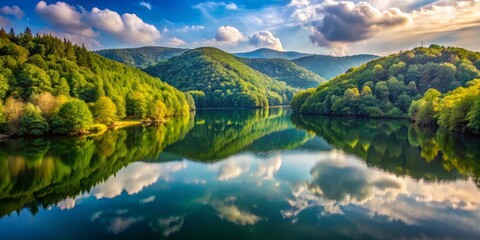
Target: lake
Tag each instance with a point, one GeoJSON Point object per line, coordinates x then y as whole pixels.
{"type": "Point", "coordinates": [244, 174]}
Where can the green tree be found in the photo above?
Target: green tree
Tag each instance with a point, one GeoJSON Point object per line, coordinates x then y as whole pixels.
{"type": "Point", "coordinates": [473, 116]}
{"type": "Point", "coordinates": [73, 117]}
{"type": "Point", "coordinates": [422, 110]}
{"type": "Point", "coordinates": [34, 80]}
{"type": "Point", "coordinates": [104, 111]}
{"type": "Point", "coordinates": [32, 122]}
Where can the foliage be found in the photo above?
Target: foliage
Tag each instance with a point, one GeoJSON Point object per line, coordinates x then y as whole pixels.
{"type": "Point", "coordinates": [285, 71]}
{"type": "Point", "coordinates": [396, 81]}
{"type": "Point", "coordinates": [142, 57]}
{"type": "Point", "coordinates": [220, 79]}
{"type": "Point", "coordinates": [47, 72]}
{"type": "Point", "coordinates": [330, 66]}
{"type": "Point", "coordinates": [73, 117]}
{"type": "Point", "coordinates": [104, 111]}
{"type": "Point", "coordinates": [32, 122]}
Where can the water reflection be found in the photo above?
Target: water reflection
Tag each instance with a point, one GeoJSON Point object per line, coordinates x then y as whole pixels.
{"type": "Point", "coordinates": [245, 174]}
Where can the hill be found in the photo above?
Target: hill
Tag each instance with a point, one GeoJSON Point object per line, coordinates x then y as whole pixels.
{"type": "Point", "coordinates": [387, 86]}
{"type": "Point", "coordinates": [285, 71]}
{"type": "Point", "coordinates": [218, 79]}
{"type": "Point", "coordinates": [270, 53]}
{"type": "Point", "coordinates": [46, 83]}
{"type": "Point", "coordinates": [141, 57]}
{"type": "Point", "coordinates": [330, 66]}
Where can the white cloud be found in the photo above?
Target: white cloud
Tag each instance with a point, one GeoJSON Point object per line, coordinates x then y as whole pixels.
{"type": "Point", "coordinates": [175, 42]}
{"type": "Point", "coordinates": [15, 11]}
{"type": "Point", "coordinates": [134, 178]}
{"type": "Point", "coordinates": [146, 5]}
{"type": "Point", "coordinates": [126, 27]}
{"type": "Point", "coordinates": [191, 28]}
{"type": "Point", "coordinates": [267, 169]}
{"type": "Point", "coordinates": [236, 216]}
{"type": "Point", "coordinates": [228, 34]}
{"type": "Point", "coordinates": [231, 6]}
{"type": "Point", "coordinates": [266, 39]}
{"type": "Point", "coordinates": [120, 224]}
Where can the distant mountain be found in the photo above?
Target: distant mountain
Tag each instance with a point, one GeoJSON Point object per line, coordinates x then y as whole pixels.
{"type": "Point", "coordinates": [285, 71]}
{"type": "Point", "coordinates": [330, 66]}
{"type": "Point", "coordinates": [141, 57]}
{"type": "Point", "coordinates": [218, 79]}
{"type": "Point", "coordinates": [270, 53]}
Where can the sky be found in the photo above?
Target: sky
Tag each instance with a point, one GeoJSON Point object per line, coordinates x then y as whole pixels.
{"type": "Point", "coordinates": [312, 26]}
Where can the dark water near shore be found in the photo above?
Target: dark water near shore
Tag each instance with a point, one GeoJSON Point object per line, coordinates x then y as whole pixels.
{"type": "Point", "coordinates": [244, 174]}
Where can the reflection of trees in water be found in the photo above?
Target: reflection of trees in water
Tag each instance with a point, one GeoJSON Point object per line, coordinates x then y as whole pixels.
{"type": "Point", "coordinates": [41, 172]}
{"type": "Point", "coordinates": [222, 133]}
{"type": "Point", "coordinates": [400, 147]}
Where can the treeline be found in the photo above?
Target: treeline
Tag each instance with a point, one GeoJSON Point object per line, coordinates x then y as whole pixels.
{"type": "Point", "coordinates": [48, 85]}
{"type": "Point", "coordinates": [218, 79]}
{"type": "Point", "coordinates": [457, 110]}
{"type": "Point", "coordinates": [386, 87]}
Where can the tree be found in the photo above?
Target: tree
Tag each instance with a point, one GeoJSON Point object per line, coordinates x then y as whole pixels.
{"type": "Point", "coordinates": [158, 110]}
{"type": "Point", "coordinates": [382, 91]}
{"type": "Point", "coordinates": [32, 122]}
{"type": "Point", "coordinates": [73, 117]}
{"type": "Point", "coordinates": [137, 105]}
{"type": "Point", "coordinates": [422, 110]}
{"type": "Point", "coordinates": [47, 103]}
{"type": "Point", "coordinates": [13, 112]}
{"type": "Point", "coordinates": [104, 111]}
{"type": "Point", "coordinates": [34, 80]}
{"type": "Point", "coordinates": [473, 117]}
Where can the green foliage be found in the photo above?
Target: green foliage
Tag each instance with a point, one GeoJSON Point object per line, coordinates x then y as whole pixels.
{"type": "Point", "coordinates": [44, 70]}
{"type": "Point", "coordinates": [141, 57]}
{"type": "Point", "coordinates": [396, 80]}
{"type": "Point", "coordinates": [285, 71]}
{"type": "Point", "coordinates": [473, 117]}
{"type": "Point", "coordinates": [73, 117]}
{"type": "Point", "coordinates": [330, 66]}
{"type": "Point", "coordinates": [224, 80]}
{"type": "Point", "coordinates": [32, 122]}
{"type": "Point", "coordinates": [422, 111]}
{"type": "Point", "coordinates": [104, 111]}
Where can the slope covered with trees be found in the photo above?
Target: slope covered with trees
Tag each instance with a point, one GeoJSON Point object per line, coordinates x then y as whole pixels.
{"type": "Point", "coordinates": [218, 79]}
{"type": "Point", "coordinates": [50, 85]}
{"type": "Point", "coordinates": [141, 57]}
{"type": "Point", "coordinates": [285, 71]}
{"type": "Point", "coordinates": [331, 66]}
{"type": "Point", "coordinates": [386, 87]}
{"type": "Point", "coordinates": [271, 53]}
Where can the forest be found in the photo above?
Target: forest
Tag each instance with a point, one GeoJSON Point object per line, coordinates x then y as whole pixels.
{"type": "Point", "coordinates": [435, 82]}
{"type": "Point", "coordinates": [52, 86]}
{"type": "Point", "coordinates": [215, 78]}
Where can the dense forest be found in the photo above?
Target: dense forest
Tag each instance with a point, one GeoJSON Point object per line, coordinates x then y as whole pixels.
{"type": "Point", "coordinates": [386, 87]}
{"type": "Point", "coordinates": [271, 53]}
{"type": "Point", "coordinates": [218, 79]}
{"type": "Point", "coordinates": [331, 66]}
{"type": "Point", "coordinates": [285, 71]}
{"type": "Point", "coordinates": [142, 57]}
{"type": "Point", "coordinates": [48, 85]}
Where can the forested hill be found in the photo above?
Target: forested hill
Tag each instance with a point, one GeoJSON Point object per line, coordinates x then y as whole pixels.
{"type": "Point", "coordinates": [218, 79]}
{"type": "Point", "coordinates": [331, 66]}
{"type": "Point", "coordinates": [270, 53]}
{"type": "Point", "coordinates": [386, 87]}
{"type": "Point", "coordinates": [46, 83]}
{"type": "Point", "coordinates": [141, 57]}
{"type": "Point", "coordinates": [285, 71]}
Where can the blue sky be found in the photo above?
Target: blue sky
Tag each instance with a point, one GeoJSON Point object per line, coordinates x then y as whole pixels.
{"type": "Point", "coordinates": [316, 26]}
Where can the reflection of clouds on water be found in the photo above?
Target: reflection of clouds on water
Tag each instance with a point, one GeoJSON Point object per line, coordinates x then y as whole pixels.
{"type": "Point", "coordinates": [120, 224]}
{"type": "Point", "coordinates": [66, 204]}
{"type": "Point", "coordinates": [234, 215]}
{"type": "Point", "coordinates": [230, 169]}
{"type": "Point", "coordinates": [168, 225]}
{"type": "Point", "coordinates": [268, 168]}
{"type": "Point", "coordinates": [135, 177]}
{"type": "Point", "coordinates": [148, 199]}
{"type": "Point", "coordinates": [340, 180]}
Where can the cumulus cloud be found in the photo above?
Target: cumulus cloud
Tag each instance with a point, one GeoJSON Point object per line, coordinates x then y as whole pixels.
{"type": "Point", "coordinates": [191, 28]}
{"type": "Point", "coordinates": [175, 42]}
{"type": "Point", "coordinates": [236, 216]}
{"type": "Point", "coordinates": [146, 5]}
{"type": "Point", "coordinates": [228, 34]}
{"type": "Point", "coordinates": [266, 39]}
{"type": "Point", "coordinates": [346, 22]}
{"type": "Point", "coordinates": [14, 11]}
{"type": "Point", "coordinates": [120, 224]}
{"type": "Point", "coordinates": [126, 27]}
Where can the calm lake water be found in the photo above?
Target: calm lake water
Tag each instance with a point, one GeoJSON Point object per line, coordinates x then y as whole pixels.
{"type": "Point", "coordinates": [244, 174]}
